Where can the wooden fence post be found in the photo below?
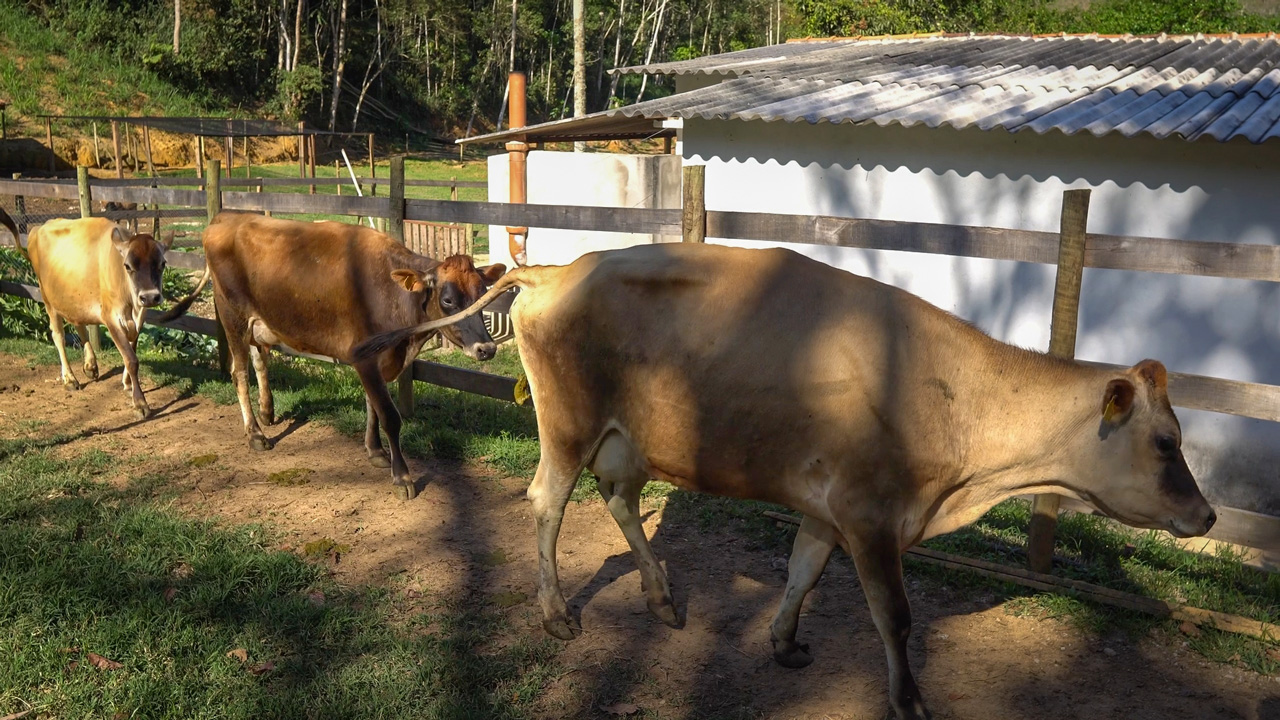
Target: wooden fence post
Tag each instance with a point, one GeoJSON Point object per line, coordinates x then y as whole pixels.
{"type": "Point", "coordinates": [395, 228]}
{"type": "Point", "coordinates": [337, 175]}
{"type": "Point", "coordinates": [20, 207]}
{"type": "Point", "coordinates": [248, 161]}
{"type": "Point", "coordinates": [213, 203]}
{"type": "Point", "coordinates": [86, 210]}
{"type": "Point", "coordinates": [200, 156]}
{"type": "Point", "coordinates": [97, 155]}
{"type": "Point", "coordinates": [231, 155]}
{"type": "Point", "coordinates": [1062, 343]}
{"type": "Point", "coordinates": [311, 159]}
{"type": "Point", "coordinates": [48, 133]}
{"type": "Point", "coordinates": [694, 219]}
{"type": "Point", "coordinates": [373, 169]}
{"type": "Point", "coordinates": [86, 196]}
{"type": "Point", "coordinates": [115, 147]}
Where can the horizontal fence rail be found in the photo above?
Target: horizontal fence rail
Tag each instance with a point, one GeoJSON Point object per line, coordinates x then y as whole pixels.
{"type": "Point", "coordinates": [1102, 251]}
{"type": "Point", "coordinates": [448, 376]}
{"type": "Point", "coordinates": [256, 182]}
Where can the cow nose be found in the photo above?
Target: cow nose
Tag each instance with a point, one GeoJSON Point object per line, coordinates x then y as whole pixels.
{"type": "Point", "coordinates": [1209, 521]}
{"type": "Point", "coordinates": [150, 298]}
{"type": "Point", "coordinates": [485, 351]}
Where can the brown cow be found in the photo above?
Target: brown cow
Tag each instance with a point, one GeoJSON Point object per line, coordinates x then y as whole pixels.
{"type": "Point", "coordinates": [321, 288]}
{"type": "Point", "coordinates": [91, 272]}
{"type": "Point", "coordinates": [884, 420]}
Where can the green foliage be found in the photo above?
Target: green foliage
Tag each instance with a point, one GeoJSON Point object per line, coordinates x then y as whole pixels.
{"type": "Point", "coordinates": [297, 90]}
{"type": "Point", "coordinates": [20, 316]}
{"type": "Point", "coordinates": [1138, 17]}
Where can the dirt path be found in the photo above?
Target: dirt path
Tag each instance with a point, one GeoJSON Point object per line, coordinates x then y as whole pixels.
{"type": "Point", "coordinates": [470, 533]}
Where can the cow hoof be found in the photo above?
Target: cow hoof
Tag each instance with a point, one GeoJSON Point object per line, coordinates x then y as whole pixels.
{"type": "Point", "coordinates": [142, 413]}
{"type": "Point", "coordinates": [406, 491]}
{"type": "Point", "coordinates": [91, 371]}
{"type": "Point", "coordinates": [258, 442]}
{"type": "Point", "coordinates": [791, 654]}
{"type": "Point", "coordinates": [70, 384]}
{"type": "Point", "coordinates": [666, 612]}
{"type": "Point", "coordinates": [915, 711]}
{"type": "Point", "coordinates": [267, 418]}
{"type": "Point", "coordinates": [380, 460]}
{"type": "Point", "coordinates": [560, 628]}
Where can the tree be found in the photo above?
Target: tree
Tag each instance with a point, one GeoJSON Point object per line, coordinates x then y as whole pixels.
{"type": "Point", "coordinates": [177, 24]}
{"type": "Point", "coordinates": [579, 65]}
{"type": "Point", "coordinates": [339, 63]}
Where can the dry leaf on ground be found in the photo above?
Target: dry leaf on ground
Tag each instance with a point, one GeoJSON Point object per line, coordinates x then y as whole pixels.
{"type": "Point", "coordinates": [262, 668]}
{"type": "Point", "coordinates": [103, 663]}
{"type": "Point", "coordinates": [239, 654]}
{"type": "Point", "coordinates": [621, 709]}
{"type": "Point", "coordinates": [1189, 628]}
{"type": "Point", "coordinates": [16, 715]}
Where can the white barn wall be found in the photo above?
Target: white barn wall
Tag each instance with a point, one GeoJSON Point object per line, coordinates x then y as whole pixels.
{"type": "Point", "coordinates": [1141, 186]}
{"type": "Point", "coordinates": [588, 179]}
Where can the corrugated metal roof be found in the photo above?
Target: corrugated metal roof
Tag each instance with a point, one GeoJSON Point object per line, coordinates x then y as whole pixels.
{"type": "Point", "coordinates": [1191, 87]}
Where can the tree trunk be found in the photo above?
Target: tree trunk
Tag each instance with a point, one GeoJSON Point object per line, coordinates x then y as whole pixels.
{"type": "Point", "coordinates": [653, 43]}
{"type": "Point", "coordinates": [579, 65]}
{"type": "Point", "coordinates": [177, 25]}
{"type": "Point", "coordinates": [339, 63]}
{"type": "Point", "coordinates": [617, 51]}
{"type": "Point", "coordinates": [297, 36]}
{"type": "Point", "coordinates": [374, 57]}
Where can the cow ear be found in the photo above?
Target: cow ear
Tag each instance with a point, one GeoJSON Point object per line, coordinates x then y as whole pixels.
{"type": "Point", "coordinates": [120, 240]}
{"type": "Point", "coordinates": [410, 280]}
{"type": "Point", "coordinates": [1117, 401]}
{"type": "Point", "coordinates": [491, 273]}
{"type": "Point", "coordinates": [1153, 372]}
{"type": "Point", "coordinates": [167, 242]}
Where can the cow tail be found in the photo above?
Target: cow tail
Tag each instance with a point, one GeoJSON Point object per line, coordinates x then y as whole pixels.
{"type": "Point", "coordinates": [384, 341]}
{"type": "Point", "coordinates": [184, 304]}
{"type": "Point", "coordinates": [13, 228]}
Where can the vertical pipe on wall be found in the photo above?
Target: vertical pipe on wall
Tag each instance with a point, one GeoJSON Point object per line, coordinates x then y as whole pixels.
{"type": "Point", "coordinates": [517, 157]}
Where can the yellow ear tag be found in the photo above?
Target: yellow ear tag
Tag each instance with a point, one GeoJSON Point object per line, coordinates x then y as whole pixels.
{"type": "Point", "coordinates": [1109, 412]}
{"type": "Point", "coordinates": [522, 395]}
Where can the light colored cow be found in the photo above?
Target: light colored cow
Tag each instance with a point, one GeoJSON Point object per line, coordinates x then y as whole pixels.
{"type": "Point", "coordinates": [91, 271]}
{"type": "Point", "coordinates": [884, 420]}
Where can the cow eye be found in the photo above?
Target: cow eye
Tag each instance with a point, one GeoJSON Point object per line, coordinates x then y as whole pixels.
{"type": "Point", "coordinates": [128, 267]}
{"type": "Point", "coordinates": [1166, 444]}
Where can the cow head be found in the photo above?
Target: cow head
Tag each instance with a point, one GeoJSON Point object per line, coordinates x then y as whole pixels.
{"type": "Point", "coordinates": [144, 265]}
{"type": "Point", "coordinates": [1132, 467]}
{"type": "Point", "coordinates": [450, 288]}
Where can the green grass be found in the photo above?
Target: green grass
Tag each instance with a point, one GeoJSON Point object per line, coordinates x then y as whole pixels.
{"type": "Point", "coordinates": [95, 563]}
{"type": "Point", "coordinates": [444, 170]}
{"type": "Point", "coordinates": [43, 71]}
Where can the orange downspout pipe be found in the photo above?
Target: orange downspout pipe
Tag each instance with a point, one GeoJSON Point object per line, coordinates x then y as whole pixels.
{"type": "Point", "coordinates": [517, 172]}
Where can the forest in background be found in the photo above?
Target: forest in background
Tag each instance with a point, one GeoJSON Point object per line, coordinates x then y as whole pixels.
{"type": "Point", "coordinates": [440, 66]}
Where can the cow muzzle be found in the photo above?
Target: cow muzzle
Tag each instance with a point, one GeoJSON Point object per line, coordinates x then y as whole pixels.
{"type": "Point", "coordinates": [150, 298]}
{"type": "Point", "coordinates": [481, 350]}
{"type": "Point", "coordinates": [1200, 523]}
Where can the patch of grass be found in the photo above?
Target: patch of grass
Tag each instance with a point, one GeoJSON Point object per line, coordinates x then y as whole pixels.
{"type": "Point", "coordinates": [89, 567]}
{"type": "Point", "coordinates": [290, 477]}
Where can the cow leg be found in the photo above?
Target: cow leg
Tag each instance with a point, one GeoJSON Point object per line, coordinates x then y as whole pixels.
{"type": "Point", "coordinates": [126, 346]}
{"type": "Point", "coordinates": [239, 350]}
{"type": "Point", "coordinates": [90, 357]}
{"type": "Point", "coordinates": [377, 396]}
{"type": "Point", "coordinates": [266, 403]}
{"type": "Point", "coordinates": [809, 555]}
{"type": "Point", "coordinates": [372, 439]}
{"type": "Point", "coordinates": [879, 564]}
{"type": "Point", "coordinates": [55, 328]}
{"type": "Point", "coordinates": [548, 494]}
{"type": "Point", "coordinates": [621, 480]}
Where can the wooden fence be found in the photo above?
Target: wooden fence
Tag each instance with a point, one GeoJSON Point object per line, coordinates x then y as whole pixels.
{"type": "Point", "coordinates": [694, 222]}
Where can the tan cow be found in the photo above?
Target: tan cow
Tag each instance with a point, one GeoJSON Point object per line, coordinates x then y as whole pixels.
{"type": "Point", "coordinates": [91, 271]}
{"type": "Point", "coordinates": [321, 288]}
{"type": "Point", "coordinates": [884, 420]}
